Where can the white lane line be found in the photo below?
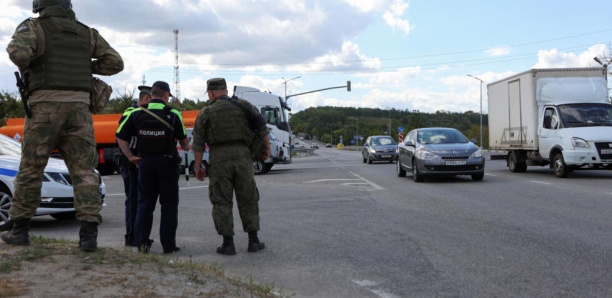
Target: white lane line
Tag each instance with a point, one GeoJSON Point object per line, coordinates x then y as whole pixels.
{"type": "Point", "coordinates": [325, 180]}
{"type": "Point", "coordinates": [374, 185]}
{"type": "Point", "coordinates": [541, 182]}
{"type": "Point", "coordinates": [368, 284]}
{"type": "Point", "coordinates": [123, 194]}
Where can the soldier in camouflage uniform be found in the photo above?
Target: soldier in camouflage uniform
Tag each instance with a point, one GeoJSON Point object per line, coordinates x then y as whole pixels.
{"type": "Point", "coordinates": [43, 48]}
{"type": "Point", "coordinates": [226, 125]}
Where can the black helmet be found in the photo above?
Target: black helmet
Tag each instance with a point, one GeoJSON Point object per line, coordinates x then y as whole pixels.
{"type": "Point", "coordinates": [38, 5]}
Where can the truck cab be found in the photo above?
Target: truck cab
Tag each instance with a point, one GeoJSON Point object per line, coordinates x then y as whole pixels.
{"type": "Point", "coordinates": [276, 114]}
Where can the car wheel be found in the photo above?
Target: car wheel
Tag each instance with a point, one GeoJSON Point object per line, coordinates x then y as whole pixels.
{"type": "Point", "coordinates": [107, 168]}
{"type": "Point", "coordinates": [478, 177]}
{"type": "Point", "coordinates": [259, 167]}
{"type": "Point", "coordinates": [64, 215]}
{"type": "Point", "coordinates": [514, 165]}
{"type": "Point", "coordinates": [191, 168]}
{"type": "Point", "coordinates": [559, 167]}
{"type": "Point", "coordinates": [416, 175]}
{"type": "Point", "coordinates": [369, 160]}
{"type": "Point", "coordinates": [400, 171]}
{"type": "Point", "coordinates": [5, 204]}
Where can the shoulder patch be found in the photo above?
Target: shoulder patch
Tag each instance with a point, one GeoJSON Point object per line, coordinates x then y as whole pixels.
{"type": "Point", "coordinates": [23, 27]}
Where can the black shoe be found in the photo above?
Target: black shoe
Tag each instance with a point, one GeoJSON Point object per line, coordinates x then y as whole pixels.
{"type": "Point", "coordinates": [226, 249]}
{"type": "Point", "coordinates": [146, 246]}
{"type": "Point", "coordinates": [133, 243]}
{"type": "Point", "coordinates": [172, 250]}
{"type": "Point", "coordinates": [255, 246]}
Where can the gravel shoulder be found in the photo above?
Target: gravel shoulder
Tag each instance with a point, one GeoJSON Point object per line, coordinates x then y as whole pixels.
{"type": "Point", "coordinates": [57, 268]}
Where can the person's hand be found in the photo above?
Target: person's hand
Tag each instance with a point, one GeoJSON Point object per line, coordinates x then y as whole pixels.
{"type": "Point", "coordinates": [266, 154]}
{"type": "Point", "coordinates": [134, 159]}
{"type": "Point", "coordinates": [200, 173]}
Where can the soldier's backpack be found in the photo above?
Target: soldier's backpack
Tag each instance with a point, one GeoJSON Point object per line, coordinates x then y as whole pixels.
{"type": "Point", "coordinates": [99, 96]}
{"type": "Point", "coordinates": [257, 144]}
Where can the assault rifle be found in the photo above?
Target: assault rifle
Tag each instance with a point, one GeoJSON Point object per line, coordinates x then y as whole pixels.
{"type": "Point", "coordinates": [24, 93]}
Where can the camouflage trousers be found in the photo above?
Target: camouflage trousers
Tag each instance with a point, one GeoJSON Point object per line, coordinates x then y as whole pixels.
{"type": "Point", "coordinates": [225, 178]}
{"type": "Point", "coordinates": [69, 128]}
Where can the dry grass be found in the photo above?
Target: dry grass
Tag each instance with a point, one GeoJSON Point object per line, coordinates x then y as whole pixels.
{"type": "Point", "coordinates": [57, 268]}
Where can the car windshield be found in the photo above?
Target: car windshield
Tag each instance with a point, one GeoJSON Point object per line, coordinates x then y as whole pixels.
{"type": "Point", "coordinates": [383, 141]}
{"type": "Point", "coordinates": [441, 137]}
{"type": "Point", "coordinates": [8, 146]}
{"type": "Point", "coordinates": [586, 114]}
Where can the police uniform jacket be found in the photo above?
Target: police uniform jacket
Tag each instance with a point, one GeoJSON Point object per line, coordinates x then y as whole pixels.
{"type": "Point", "coordinates": [154, 137]}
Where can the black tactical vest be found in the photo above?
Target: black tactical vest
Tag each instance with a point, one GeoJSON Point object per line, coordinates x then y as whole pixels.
{"type": "Point", "coordinates": [154, 137]}
{"type": "Point", "coordinates": [66, 63]}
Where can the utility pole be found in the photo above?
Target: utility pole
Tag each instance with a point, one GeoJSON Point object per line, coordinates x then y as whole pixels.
{"type": "Point", "coordinates": [481, 82]}
{"type": "Point", "coordinates": [177, 89]}
{"type": "Point", "coordinates": [285, 83]}
{"type": "Point", "coordinates": [389, 119]}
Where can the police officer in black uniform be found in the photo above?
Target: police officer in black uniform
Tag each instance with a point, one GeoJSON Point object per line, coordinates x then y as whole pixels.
{"type": "Point", "coordinates": [129, 171]}
{"type": "Point", "coordinates": [157, 127]}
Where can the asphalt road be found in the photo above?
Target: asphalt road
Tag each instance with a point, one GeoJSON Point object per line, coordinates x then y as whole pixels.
{"type": "Point", "coordinates": [336, 227]}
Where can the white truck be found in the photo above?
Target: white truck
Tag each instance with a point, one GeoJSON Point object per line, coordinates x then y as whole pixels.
{"type": "Point", "coordinates": [558, 117]}
{"type": "Point", "coordinates": [276, 113]}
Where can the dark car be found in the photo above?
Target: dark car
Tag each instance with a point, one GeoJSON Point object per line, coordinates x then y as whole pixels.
{"type": "Point", "coordinates": [379, 148]}
{"type": "Point", "coordinates": [439, 151]}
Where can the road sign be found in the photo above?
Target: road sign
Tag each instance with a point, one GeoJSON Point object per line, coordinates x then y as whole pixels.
{"type": "Point", "coordinates": [400, 129]}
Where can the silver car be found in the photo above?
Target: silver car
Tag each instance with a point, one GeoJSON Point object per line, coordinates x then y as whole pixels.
{"type": "Point", "coordinates": [379, 148]}
{"type": "Point", "coordinates": [439, 151]}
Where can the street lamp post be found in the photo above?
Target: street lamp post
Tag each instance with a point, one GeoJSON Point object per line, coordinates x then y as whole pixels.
{"type": "Point", "coordinates": [285, 83]}
{"type": "Point", "coordinates": [481, 82]}
{"type": "Point", "coordinates": [389, 119]}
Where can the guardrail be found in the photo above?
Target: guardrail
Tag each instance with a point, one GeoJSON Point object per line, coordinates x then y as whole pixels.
{"type": "Point", "coordinates": [299, 152]}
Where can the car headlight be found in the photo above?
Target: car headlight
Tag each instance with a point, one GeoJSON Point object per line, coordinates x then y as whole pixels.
{"type": "Point", "coordinates": [477, 153]}
{"type": "Point", "coordinates": [580, 143]}
{"type": "Point", "coordinates": [372, 151]}
{"type": "Point", "coordinates": [424, 154]}
{"type": "Point", "coordinates": [57, 177]}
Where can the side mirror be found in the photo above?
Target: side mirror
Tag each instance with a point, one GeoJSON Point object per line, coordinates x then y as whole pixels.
{"type": "Point", "coordinates": [474, 141]}
{"type": "Point", "coordinates": [366, 145]}
{"type": "Point", "coordinates": [409, 143]}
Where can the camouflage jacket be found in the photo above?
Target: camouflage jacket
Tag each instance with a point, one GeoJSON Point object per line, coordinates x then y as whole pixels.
{"type": "Point", "coordinates": [27, 44]}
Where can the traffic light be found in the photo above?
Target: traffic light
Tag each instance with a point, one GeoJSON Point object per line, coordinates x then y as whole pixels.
{"type": "Point", "coordinates": [348, 86]}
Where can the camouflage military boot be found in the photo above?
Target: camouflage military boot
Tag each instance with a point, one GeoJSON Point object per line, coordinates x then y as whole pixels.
{"type": "Point", "coordinates": [88, 236]}
{"type": "Point", "coordinates": [19, 235]}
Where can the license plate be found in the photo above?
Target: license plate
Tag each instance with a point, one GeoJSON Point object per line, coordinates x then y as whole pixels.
{"type": "Point", "coordinates": [456, 162]}
{"type": "Point", "coordinates": [385, 156]}
{"type": "Point", "coordinates": [606, 151]}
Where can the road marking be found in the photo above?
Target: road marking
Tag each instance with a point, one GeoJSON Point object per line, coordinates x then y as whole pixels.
{"type": "Point", "coordinates": [360, 181]}
{"type": "Point", "coordinates": [368, 284]}
{"type": "Point", "coordinates": [541, 182]}
{"type": "Point", "coordinates": [325, 180]}
{"type": "Point", "coordinates": [123, 194]}
{"type": "Point", "coordinates": [374, 185]}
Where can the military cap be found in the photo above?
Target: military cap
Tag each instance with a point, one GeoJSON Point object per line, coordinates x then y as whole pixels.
{"type": "Point", "coordinates": [216, 84]}
{"type": "Point", "coordinates": [145, 89]}
{"type": "Point", "coordinates": [161, 85]}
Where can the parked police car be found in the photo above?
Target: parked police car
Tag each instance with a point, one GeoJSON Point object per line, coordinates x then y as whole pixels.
{"type": "Point", "coordinates": [56, 193]}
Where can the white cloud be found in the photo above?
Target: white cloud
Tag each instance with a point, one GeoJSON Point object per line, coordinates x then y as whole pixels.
{"type": "Point", "coordinates": [554, 58]}
{"type": "Point", "coordinates": [498, 51]}
{"type": "Point", "coordinates": [393, 16]}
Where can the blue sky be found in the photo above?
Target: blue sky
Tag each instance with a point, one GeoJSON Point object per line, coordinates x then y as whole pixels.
{"type": "Point", "coordinates": [402, 54]}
